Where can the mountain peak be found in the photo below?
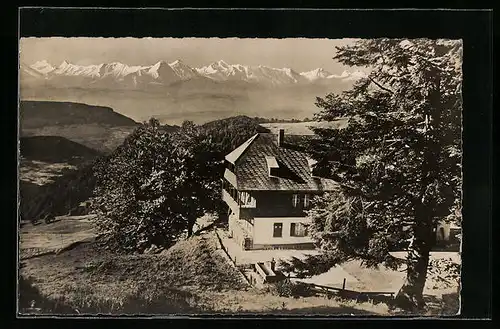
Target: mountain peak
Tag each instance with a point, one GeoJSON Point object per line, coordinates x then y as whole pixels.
{"type": "Point", "coordinates": [164, 72]}
{"type": "Point", "coordinates": [160, 62]}
{"type": "Point", "coordinates": [223, 63]}
{"type": "Point", "coordinates": [42, 62]}
{"type": "Point", "coordinates": [42, 66]}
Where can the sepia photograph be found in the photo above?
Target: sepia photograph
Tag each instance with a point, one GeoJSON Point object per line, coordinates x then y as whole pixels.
{"type": "Point", "coordinates": [240, 176]}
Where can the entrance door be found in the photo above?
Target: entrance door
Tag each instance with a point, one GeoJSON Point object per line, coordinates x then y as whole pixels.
{"type": "Point", "coordinates": [278, 230]}
{"type": "Point", "coordinates": [441, 234]}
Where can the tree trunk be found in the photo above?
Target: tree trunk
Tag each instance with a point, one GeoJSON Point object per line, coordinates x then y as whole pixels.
{"type": "Point", "coordinates": [410, 296]}
{"type": "Point", "coordinates": [190, 229]}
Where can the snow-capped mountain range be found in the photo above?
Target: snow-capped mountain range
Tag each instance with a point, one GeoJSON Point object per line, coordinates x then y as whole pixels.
{"type": "Point", "coordinates": [164, 73]}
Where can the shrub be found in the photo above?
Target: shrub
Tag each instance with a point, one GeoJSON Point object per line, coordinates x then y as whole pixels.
{"type": "Point", "coordinates": [287, 288]}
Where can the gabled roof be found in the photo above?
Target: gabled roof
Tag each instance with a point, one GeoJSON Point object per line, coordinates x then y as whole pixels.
{"type": "Point", "coordinates": [252, 173]}
{"type": "Point", "coordinates": [235, 155]}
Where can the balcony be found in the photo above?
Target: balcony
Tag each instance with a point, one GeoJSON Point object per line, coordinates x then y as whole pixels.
{"type": "Point", "coordinates": [230, 201]}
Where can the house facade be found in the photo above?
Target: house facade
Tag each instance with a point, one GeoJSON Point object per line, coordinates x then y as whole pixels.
{"type": "Point", "coordinates": [268, 185]}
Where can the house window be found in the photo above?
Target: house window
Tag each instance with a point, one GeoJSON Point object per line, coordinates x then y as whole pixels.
{"type": "Point", "coordinates": [295, 200]}
{"type": "Point", "coordinates": [277, 230]}
{"type": "Point", "coordinates": [298, 229]}
{"type": "Point", "coordinates": [307, 201]}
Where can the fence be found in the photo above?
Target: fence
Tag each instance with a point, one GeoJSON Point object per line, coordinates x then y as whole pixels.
{"type": "Point", "coordinates": [346, 293]}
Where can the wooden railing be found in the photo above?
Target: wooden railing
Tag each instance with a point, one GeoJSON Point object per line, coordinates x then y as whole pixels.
{"type": "Point", "coordinates": [347, 293]}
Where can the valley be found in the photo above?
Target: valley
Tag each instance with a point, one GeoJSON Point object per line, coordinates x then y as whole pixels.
{"type": "Point", "coordinates": [175, 106]}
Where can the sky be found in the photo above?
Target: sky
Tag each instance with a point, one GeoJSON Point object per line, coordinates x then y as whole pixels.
{"type": "Point", "coordinates": [300, 54]}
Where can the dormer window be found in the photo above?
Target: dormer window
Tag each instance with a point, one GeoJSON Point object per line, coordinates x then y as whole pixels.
{"type": "Point", "coordinates": [272, 166]}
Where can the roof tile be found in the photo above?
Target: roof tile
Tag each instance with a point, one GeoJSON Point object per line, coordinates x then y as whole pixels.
{"type": "Point", "coordinates": [293, 174]}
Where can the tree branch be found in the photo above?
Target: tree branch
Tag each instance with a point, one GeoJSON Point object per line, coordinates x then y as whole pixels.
{"type": "Point", "coordinates": [380, 86]}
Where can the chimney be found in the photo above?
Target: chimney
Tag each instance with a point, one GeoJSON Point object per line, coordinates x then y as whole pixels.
{"type": "Point", "coordinates": [281, 137]}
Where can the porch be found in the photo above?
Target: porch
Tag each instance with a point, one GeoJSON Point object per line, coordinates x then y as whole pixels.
{"type": "Point", "coordinates": [246, 257]}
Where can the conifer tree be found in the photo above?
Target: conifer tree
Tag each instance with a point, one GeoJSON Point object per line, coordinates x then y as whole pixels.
{"type": "Point", "coordinates": [398, 160]}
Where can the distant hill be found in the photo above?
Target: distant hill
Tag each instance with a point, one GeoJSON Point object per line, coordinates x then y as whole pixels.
{"type": "Point", "coordinates": [239, 120]}
{"type": "Point", "coordinates": [96, 127]}
{"type": "Point", "coordinates": [303, 128]}
{"type": "Point", "coordinates": [55, 149]}
{"type": "Point", "coordinates": [38, 114]}
{"type": "Point", "coordinates": [231, 132]}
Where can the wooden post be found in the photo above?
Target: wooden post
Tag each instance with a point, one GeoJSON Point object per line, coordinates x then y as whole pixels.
{"type": "Point", "coordinates": [343, 285]}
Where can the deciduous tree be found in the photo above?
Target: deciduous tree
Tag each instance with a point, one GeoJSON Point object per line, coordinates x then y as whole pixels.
{"type": "Point", "coordinates": [144, 194]}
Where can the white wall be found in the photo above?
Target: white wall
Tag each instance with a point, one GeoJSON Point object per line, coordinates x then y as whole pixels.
{"type": "Point", "coordinates": [264, 228]}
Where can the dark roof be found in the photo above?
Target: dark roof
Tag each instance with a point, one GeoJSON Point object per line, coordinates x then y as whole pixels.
{"type": "Point", "coordinates": [293, 174]}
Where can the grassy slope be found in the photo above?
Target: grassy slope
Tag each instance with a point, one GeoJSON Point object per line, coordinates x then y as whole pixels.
{"type": "Point", "coordinates": [50, 238]}
{"type": "Point", "coordinates": [191, 277]}
{"type": "Point", "coordinates": [117, 282]}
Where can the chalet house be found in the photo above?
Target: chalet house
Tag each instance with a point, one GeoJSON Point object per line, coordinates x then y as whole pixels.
{"type": "Point", "coordinates": [268, 186]}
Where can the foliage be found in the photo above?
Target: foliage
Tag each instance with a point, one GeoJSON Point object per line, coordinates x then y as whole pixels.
{"type": "Point", "coordinates": [399, 158]}
{"type": "Point", "coordinates": [228, 134]}
{"type": "Point", "coordinates": [140, 198]}
{"type": "Point", "coordinates": [444, 270]}
{"type": "Point", "coordinates": [154, 187]}
{"type": "Point", "coordinates": [287, 288]}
